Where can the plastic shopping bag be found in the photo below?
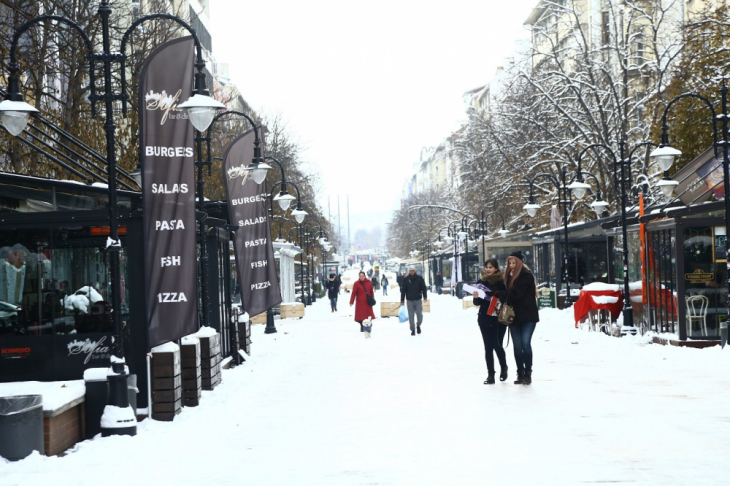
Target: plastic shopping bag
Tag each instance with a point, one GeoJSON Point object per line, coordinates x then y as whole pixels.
{"type": "Point", "coordinates": [402, 314]}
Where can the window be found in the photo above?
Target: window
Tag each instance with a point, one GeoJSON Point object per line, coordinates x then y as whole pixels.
{"type": "Point", "coordinates": [605, 29]}
{"type": "Point", "coordinates": [56, 282]}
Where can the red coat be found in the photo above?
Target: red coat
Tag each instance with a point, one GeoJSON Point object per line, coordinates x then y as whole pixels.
{"type": "Point", "coordinates": [362, 309]}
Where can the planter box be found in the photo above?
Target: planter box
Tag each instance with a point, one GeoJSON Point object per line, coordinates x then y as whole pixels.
{"type": "Point", "coordinates": [389, 309]}
{"type": "Point", "coordinates": [289, 311]}
{"type": "Point", "coordinates": [467, 302]}
{"type": "Point", "coordinates": [259, 319]}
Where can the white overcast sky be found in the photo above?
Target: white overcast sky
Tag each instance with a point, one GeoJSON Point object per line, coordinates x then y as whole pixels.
{"type": "Point", "coordinates": [364, 86]}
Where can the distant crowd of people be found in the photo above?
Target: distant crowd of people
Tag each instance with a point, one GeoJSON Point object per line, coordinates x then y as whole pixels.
{"type": "Point", "coordinates": [515, 290]}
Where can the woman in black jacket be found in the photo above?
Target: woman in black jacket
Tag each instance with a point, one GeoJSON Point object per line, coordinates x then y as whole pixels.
{"type": "Point", "coordinates": [521, 294]}
{"type": "Point", "coordinates": [492, 331]}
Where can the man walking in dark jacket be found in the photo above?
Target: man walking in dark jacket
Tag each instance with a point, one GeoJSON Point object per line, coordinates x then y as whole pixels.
{"type": "Point", "coordinates": [412, 289]}
{"type": "Point", "coordinates": [439, 282]}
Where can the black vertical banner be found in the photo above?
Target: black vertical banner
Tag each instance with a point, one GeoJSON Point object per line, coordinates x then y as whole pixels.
{"type": "Point", "coordinates": [247, 207]}
{"type": "Point", "coordinates": [168, 166]}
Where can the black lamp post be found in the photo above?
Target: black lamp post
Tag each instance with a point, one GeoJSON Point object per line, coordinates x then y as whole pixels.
{"type": "Point", "coordinates": [622, 177]}
{"type": "Point", "coordinates": [665, 154]}
{"type": "Point", "coordinates": [14, 113]}
{"type": "Point", "coordinates": [578, 187]}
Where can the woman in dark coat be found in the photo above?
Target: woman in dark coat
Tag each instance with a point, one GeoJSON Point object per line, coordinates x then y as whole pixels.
{"type": "Point", "coordinates": [360, 290]}
{"type": "Point", "coordinates": [521, 294]}
{"type": "Point", "coordinates": [492, 331]}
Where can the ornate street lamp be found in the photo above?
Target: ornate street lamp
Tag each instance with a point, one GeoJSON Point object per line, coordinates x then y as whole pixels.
{"type": "Point", "coordinates": [564, 199]}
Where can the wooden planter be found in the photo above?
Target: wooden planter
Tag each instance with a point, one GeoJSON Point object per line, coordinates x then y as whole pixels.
{"type": "Point", "coordinates": [210, 356]}
{"type": "Point", "coordinates": [192, 381]}
{"type": "Point", "coordinates": [166, 385]}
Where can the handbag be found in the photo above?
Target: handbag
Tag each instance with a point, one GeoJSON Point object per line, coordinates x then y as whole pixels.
{"type": "Point", "coordinates": [371, 299]}
{"type": "Point", "coordinates": [506, 315]}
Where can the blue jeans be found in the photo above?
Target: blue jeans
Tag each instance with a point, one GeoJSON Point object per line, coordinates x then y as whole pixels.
{"type": "Point", "coordinates": [385, 290]}
{"type": "Point", "coordinates": [333, 302]}
{"type": "Point", "coordinates": [438, 290]}
{"type": "Point", "coordinates": [521, 340]}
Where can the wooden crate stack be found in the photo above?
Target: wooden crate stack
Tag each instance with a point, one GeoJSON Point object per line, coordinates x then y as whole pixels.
{"type": "Point", "coordinates": [166, 385]}
{"type": "Point", "coordinates": [210, 354]}
{"type": "Point", "coordinates": [192, 380]}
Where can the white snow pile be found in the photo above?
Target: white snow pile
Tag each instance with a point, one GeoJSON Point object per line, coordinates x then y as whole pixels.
{"type": "Point", "coordinates": [55, 394]}
{"type": "Point", "coordinates": [115, 417]}
{"type": "Point", "coordinates": [168, 347]}
{"type": "Point", "coordinates": [206, 332]}
{"type": "Point", "coordinates": [600, 286]}
{"type": "Point", "coordinates": [95, 374]}
{"type": "Point", "coordinates": [81, 300]}
{"type": "Point", "coordinates": [604, 299]}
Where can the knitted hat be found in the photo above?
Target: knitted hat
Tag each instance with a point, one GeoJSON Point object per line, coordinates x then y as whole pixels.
{"type": "Point", "coordinates": [517, 254]}
{"type": "Point", "coordinates": [411, 267]}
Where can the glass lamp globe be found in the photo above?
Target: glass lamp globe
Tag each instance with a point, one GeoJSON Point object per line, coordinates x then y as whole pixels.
{"type": "Point", "coordinates": [667, 187]}
{"type": "Point", "coordinates": [579, 189]}
{"type": "Point", "coordinates": [449, 240]}
{"type": "Point", "coordinates": [14, 115]}
{"type": "Point", "coordinates": [299, 215]}
{"type": "Point", "coordinates": [201, 110]}
{"type": "Point", "coordinates": [258, 171]}
{"type": "Point", "coordinates": [664, 157]}
{"type": "Point", "coordinates": [503, 232]}
{"type": "Point", "coordinates": [284, 199]}
{"type": "Point", "coordinates": [531, 209]}
{"type": "Point", "coordinates": [599, 207]}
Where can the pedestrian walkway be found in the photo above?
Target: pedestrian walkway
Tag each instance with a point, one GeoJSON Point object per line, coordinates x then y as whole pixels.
{"type": "Point", "coordinates": [318, 404]}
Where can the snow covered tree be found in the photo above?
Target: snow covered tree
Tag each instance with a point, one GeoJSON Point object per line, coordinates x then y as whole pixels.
{"type": "Point", "coordinates": [586, 80]}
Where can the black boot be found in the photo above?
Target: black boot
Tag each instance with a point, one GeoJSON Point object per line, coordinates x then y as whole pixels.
{"type": "Point", "coordinates": [503, 373]}
{"type": "Point", "coordinates": [527, 378]}
{"type": "Point", "coordinates": [418, 329]}
{"type": "Point", "coordinates": [361, 328]}
{"type": "Point", "coordinates": [490, 379]}
{"type": "Point", "coordinates": [520, 377]}
{"type": "Point", "coordinates": [413, 333]}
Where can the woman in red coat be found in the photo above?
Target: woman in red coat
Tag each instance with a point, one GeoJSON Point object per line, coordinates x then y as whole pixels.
{"type": "Point", "coordinates": [360, 290]}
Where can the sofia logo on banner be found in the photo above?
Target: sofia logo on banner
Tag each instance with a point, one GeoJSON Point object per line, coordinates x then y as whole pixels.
{"type": "Point", "coordinates": [166, 152]}
{"type": "Point", "coordinates": [247, 207]}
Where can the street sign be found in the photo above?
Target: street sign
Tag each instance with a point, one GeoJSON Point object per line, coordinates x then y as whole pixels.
{"type": "Point", "coordinates": [546, 299]}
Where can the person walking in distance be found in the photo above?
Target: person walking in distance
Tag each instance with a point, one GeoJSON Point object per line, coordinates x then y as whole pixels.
{"type": "Point", "coordinates": [492, 330]}
{"type": "Point", "coordinates": [360, 291]}
{"type": "Point", "coordinates": [384, 283]}
{"type": "Point", "coordinates": [438, 282]}
{"type": "Point", "coordinates": [521, 294]}
{"type": "Point", "coordinates": [400, 279]}
{"type": "Point", "coordinates": [333, 291]}
{"type": "Point", "coordinates": [412, 289]}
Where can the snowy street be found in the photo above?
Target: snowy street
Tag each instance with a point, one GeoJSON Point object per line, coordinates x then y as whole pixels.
{"type": "Point", "coordinates": [318, 404]}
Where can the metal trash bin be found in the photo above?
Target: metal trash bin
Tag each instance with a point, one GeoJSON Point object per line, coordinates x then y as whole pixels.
{"type": "Point", "coordinates": [95, 399]}
{"type": "Point", "coordinates": [21, 426]}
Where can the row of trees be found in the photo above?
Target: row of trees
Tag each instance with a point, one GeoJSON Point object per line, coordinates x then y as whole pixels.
{"type": "Point", "coordinates": [583, 82]}
{"type": "Point", "coordinates": [56, 74]}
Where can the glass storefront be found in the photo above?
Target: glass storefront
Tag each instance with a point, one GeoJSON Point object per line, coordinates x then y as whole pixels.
{"type": "Point", "coordinates": [704, 280]}
{"type": "Point", "coordinates": [501, 254]}
{"type": "Point", "coordinates": [56, 281]}
{"type": "Point", "coordinates": [587, 262]}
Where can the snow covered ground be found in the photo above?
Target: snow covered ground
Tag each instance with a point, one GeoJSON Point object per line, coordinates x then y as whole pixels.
{"type": "Point", "coordinates": [318, 404]}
